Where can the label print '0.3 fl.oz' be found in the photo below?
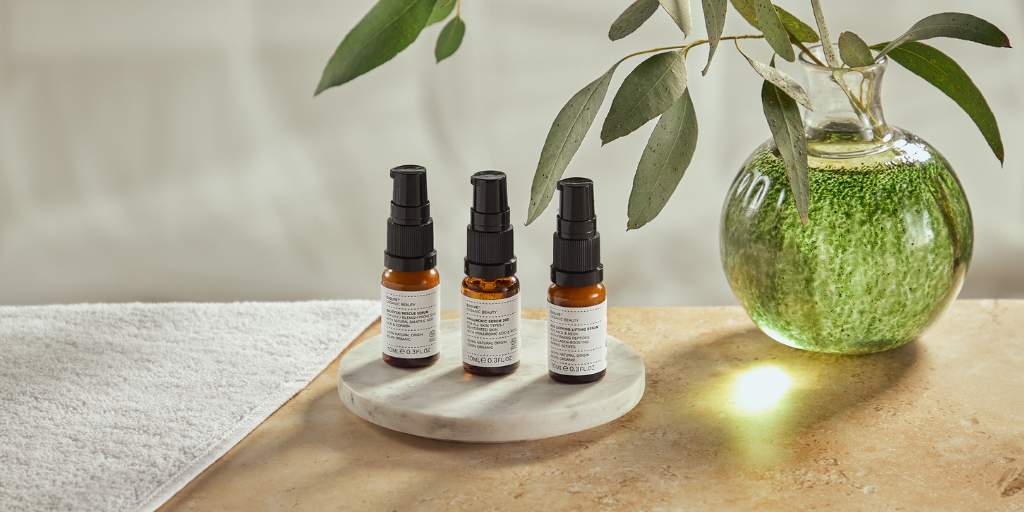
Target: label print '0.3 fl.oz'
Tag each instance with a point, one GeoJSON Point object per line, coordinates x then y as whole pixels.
{"type": "Point", "coordinates": [490, 331]}
{"type": "Point", "coordinates": [578, 339]}
{"type": "Point", "coordinates": [410, 322]}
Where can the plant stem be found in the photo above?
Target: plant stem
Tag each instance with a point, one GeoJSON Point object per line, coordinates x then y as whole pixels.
{"type": "Point", "coordinates": [686, 47]}
{"type": "Point", "coordinates": [807, 51]}
{"type": "Point", "coordinates": [458, 8]}
{"type": "Point", "coordinates": [699, 42]}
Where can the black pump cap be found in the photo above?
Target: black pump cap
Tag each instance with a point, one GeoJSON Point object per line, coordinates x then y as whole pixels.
{"type": "Point", "coordinates": [410, 229]}
{"type": "Point", "coordinates": [409, 204]}
{"type": "Point", "coordinates": [490, 252]}
{"type": "Point", "coordinates": [576, 258]}
{"type": "Point", "coordinates": [576, 202]}
{"type": "Point", "coordinates": [490, 192]}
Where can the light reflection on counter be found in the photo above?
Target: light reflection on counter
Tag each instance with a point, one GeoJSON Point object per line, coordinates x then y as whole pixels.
{"type": "Point", "coordinates": [749, 401]}
{"type": "Point", "coordinates": [756, 404]}
{"type": "Point", "coordinates": [759, 389]}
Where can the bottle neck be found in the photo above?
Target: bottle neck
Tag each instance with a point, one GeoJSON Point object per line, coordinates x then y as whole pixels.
{"type": "Point", "coordinates": [847, 119]}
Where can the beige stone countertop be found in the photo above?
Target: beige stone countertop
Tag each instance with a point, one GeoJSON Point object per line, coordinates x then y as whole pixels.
{"type": "Point", "coordinates": [731, 421]}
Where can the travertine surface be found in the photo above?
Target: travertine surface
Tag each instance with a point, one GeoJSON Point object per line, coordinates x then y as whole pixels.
{"type": "Point", "coordinates": [730, 420]}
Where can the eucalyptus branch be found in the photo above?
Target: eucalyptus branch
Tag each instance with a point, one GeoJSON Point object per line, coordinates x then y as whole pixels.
{"type": "Point", "coordinates": [657, 87]}
{"type": "Point", "coordinates": [699, 42]}
{"type": "Point", "coordinates": [688, 46]}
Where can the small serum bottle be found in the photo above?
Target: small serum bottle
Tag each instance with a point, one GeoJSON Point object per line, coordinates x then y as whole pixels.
{"type": "Point", "coordinates": [490, 291]}
{"type": "Point", "coordinates": [577, 311]}
{"type": "Point", "coordinates": [410, 286]}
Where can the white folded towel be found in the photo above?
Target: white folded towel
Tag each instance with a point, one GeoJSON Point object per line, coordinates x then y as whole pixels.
{"type": "Point", "coordinates": [118, 406]}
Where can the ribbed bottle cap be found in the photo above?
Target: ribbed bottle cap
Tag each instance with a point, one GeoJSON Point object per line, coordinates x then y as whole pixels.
{"type": "Point", "coordinates": [490, 252]}
{"type": "Point", "coordinates": [576, 258]}
{"type": "Point", "coordinates": [410, 244]}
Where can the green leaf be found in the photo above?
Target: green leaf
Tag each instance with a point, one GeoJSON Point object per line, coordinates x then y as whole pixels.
{"type": "Point", "coordinates": [679, 10]}
{"type": "Point", "coordinates": [945, 74]}
{"type": "Point", "coordinates": [746, 9]}
{"type": "Point", "coordinates": [631, 19]}
{"type": "Point", "coordinates": [798, 30]}
{"type": "Point", "coordinates": [826, 37]}
{"type": "Point", "coordinates": [788, 84]}
{"type": "Point", "coordinates": [647, 92]}
{"type": "Point", "coordinates": [952, 24]}
{"type": "Point", "coordinates": [774, 31]}
{"type": "Point", "coordinates": [389, 27]}
{"type": "Point", "coordinates": [787, 127]}
{"type": "Point", "coordinates": [762, 15]}
{"type": "Point", "coordinates": [441, 11]}
{"type": "Point", "coordinates": [854, 50]}
{"type": "Point", "coordinates": [665, 159]}
{"type": "Point", "coordinates": [564, 139]}
{"type": "Point", "coordinates": [714, 20]}
{"type": "Point", "coordinates": [449, 39]}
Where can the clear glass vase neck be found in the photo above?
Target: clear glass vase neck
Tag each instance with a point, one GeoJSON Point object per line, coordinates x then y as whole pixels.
{"type": "Point", "coordinates": [847, 115]}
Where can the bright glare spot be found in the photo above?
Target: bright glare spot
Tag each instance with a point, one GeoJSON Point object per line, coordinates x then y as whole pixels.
{"type": "Point", "coordinates": [759, 389]}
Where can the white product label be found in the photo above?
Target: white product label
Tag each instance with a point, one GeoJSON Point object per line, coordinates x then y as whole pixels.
{"type": "Point", "coordinates": [410, 322]}
{"type": "Point", "coordinates": [578, 339]}
{"type": "Point", "coordinates": [490, 331]}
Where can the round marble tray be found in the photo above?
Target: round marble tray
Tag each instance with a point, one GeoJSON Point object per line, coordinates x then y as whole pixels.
{"type": "Point", "coordinates": [443, 402]}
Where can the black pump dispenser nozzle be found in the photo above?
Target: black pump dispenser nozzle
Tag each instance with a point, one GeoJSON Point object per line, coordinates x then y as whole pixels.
{"type": "Point", "coordinates": [410, 190]}
{"type": "Point", "coordinates": [576, 258]}
{"type": "Point", "coordinates": [490, 252]}
{"type": "Point", "coordinates": [410, 229]}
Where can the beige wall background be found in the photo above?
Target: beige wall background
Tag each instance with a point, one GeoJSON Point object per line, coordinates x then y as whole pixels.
{"type": "Point", "coordinates": [158, 150]}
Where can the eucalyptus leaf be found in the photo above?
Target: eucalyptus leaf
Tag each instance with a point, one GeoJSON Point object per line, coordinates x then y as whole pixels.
{"type": "Point", "coordinates": [746, 9]}
{"type": "Point", "coordinates": [762, 15]}
{"type": "Point", "coordinates": [946, 75]}
{"type": "Point", "coordinates": [774, 31]}
{"type": "Point", "coordinates": [714, 21]}
{"type": "Point", "coordinates": [798, 30]}
{"type": "Point", "coordinates": [664, 160]}
{"type": "Point", "coordinates": [450, 38]}
{"type": "Point", "coordinates": [564, 139]}
{"type": "Point", "coordinates": [786, 83]}
{"type": "Point", "coordinates": [679, 10]}
{"type": "Point", "coordinates": [787, 127]}
{"type": "Point", "coordinates": [854, 50]}
{"type": "Point", "coordinates": [957, 25]}
{"type": "Point", "coordinates": [647, 92]}
{"type": "Point", "coordinates": [631, 19]}
{"type": "Point", "coordinates": [389, 27]}
{"type": "Point", "coordinates": [441, 11]}
{"type": "Point", "coordinates": [823, 33]}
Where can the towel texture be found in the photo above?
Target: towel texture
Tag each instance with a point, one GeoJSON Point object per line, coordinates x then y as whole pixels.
{"type": "Point", "coordinates": [117, 406]}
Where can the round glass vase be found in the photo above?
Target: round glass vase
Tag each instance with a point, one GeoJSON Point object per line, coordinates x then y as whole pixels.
{"type": "Point", "coordinates": [889, 234]}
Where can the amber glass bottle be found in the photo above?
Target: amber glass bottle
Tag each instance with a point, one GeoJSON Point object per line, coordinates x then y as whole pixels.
{"type": "Point", "coordinates": [410, 286]}
{"type": "Point", "coordinates": [577, 310]}
{"type": "Point", "coordinates": [423, 281]}
{"type": "Point", "coordinates": [490, 291]}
